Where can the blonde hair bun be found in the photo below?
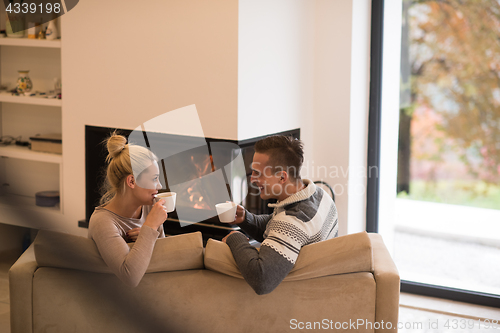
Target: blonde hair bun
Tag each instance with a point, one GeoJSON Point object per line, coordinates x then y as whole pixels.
{"type": "Point", "coordinates": [116, 143]}
{"type": "Point", "coordinates": [123, 160]}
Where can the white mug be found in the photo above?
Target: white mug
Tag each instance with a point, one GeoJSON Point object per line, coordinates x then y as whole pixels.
{"type": "Point", "coordinates": [226, 211]}
{"type": "Point", "coordinates": [169, 198]}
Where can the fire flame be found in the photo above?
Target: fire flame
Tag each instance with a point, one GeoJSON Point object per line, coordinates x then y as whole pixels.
{"type": "Point", "coordinates": [195, 194]}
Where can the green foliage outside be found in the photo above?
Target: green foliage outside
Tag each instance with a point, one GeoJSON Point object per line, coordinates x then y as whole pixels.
{"type": "Point", "coordinates": [451, 84]}
{"type": "Point", "coordinates": [455, 192]}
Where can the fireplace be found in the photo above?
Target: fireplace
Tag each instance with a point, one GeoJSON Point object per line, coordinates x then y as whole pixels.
{"type": "Point", "coordinates": [202, 171]}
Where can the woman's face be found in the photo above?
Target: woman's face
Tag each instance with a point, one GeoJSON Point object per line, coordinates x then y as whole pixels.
{"type": "Point", "coordinates": [148, 184]}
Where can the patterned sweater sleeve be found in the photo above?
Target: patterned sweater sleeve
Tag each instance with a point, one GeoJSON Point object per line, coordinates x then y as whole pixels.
{"type": "Point", "coordinates": [255, 225]}
{"type": "Point", "coordinates": [286, 236]}
{"type": "Point", "coordinates": [128, 264]}
{"type": "Point", "coordinates": [263, 270]}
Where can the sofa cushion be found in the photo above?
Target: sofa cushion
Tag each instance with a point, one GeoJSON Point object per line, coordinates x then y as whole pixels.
{"type": "Point", "coordinates": [346, 254]}
{"type": "Point", "coordinates": [174, 253]}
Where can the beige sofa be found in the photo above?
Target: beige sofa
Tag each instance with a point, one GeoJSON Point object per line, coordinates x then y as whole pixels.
{"type": "Point", "coordinates": [60, 284]}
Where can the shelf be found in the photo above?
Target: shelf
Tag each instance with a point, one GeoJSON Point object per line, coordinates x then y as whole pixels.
{"type": "Point", "coordinates": [9, 41]}
{"type": "Point", "coordinates": [12, 200]}
{"type": "Point", "coordinates": [25, 153]}
{"type": "Point", "coordinates": [7, 97]}
{"type": "Point", "coordinates": [22, 211]}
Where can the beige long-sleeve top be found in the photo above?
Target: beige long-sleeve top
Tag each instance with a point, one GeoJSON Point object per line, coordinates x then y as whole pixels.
{"type": "Point", "coordinates": [109, 231]}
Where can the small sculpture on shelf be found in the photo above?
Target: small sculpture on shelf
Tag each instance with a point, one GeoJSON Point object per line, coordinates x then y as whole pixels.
{"type": "Point", "coordinates": [41, 32]}
{"type": "Point", "coordinates": [51, 31]}
{"type": "Point", "coordinates": [24, 83]}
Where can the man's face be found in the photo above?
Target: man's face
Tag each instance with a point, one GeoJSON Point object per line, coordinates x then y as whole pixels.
{"type": "Point", "coordinates": [264, 176]}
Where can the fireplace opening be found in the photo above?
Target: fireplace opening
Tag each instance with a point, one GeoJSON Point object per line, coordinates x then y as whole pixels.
{"type": "Point", "coordinates": [203, 172]}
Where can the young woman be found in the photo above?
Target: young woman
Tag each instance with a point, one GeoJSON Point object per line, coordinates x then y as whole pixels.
{"type": "Point", "coordinates": [128, 211]}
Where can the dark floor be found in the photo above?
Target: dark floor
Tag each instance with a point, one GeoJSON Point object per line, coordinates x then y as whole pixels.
{"type": "Point", "coordinates": [6, 260]}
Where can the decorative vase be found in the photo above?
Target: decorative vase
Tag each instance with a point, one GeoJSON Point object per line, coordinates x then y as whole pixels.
{"type": "Point", "coordinates": [51, 32]}
{"type": "Point", "coordinates": [24, 83]}
{"type": "Point", "coordinates": [15, 23]}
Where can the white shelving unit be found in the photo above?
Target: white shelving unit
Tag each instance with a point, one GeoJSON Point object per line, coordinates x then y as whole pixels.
{"type": "Point", "coordinates": [30, 42]}
{"type": "Point", "coordinates": [7, 97]}
{"type": "Point", "coordinates": [17, 200]}
{"type": "Point", "coordinates": [24, 153]}
{"type": "Point", "coordinates": [13, 201]}
{"type": "Point", "coordinates": [21, 211]}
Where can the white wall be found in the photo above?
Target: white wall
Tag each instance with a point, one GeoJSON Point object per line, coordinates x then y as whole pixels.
{"type": "Point", "coordinates": [275, 66]}
{"type": "Point", "coordinates": [305, 64]}
{"type": "Point", "coordinates": [124, 64]}
{"type": "Point", "coordinates": [358, 124]}
{"type": "Point", "coordinates": [341, 105]}
{"type": "Point", "coordinates": [251, 68]}
{"type": "Point", "coordinates": [390, 120]}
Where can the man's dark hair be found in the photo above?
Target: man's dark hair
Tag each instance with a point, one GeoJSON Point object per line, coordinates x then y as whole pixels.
{"type": "Point", "coordinates": [284, 152]}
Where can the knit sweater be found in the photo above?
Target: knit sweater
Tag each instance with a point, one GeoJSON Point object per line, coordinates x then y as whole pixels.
{"type": "Point", "coordinates": [109, 232]}
{"type": "Point", "coordinates": [306, 217]}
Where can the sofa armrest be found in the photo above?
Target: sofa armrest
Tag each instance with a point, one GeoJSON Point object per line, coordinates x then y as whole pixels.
{"type": "Point", "coordinates": [388, 284]}
{"type": "Point", "coordinates": [21, 292]}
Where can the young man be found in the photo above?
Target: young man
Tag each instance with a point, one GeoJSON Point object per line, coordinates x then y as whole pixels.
{"type": "Point", "coordinates": [304, 214]}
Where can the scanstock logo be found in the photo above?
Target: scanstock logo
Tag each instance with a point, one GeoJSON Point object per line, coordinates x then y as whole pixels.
{"type": "Point", "coordinates": [202, 173]}
{"type": "Point", "coordinates": [20, 12]}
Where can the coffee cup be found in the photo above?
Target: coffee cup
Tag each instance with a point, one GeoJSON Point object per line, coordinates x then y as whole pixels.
{"type": "Point", "coordinates": [169, 198]}
{"type": "Point", "coordinates": [226, 211]}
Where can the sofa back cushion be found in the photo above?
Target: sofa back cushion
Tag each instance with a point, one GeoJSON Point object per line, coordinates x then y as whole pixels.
{"type": "Point", "coordinates": [174, 253]}
{"type": "Point", "coordinates": [346, 254]}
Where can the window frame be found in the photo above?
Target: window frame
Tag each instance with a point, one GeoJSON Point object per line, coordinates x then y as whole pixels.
{"type": "Point", "coordinates": [373, 182]}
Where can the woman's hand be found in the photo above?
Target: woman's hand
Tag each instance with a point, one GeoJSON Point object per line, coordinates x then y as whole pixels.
{"type": "Point", "coordinates": [132, 234]}
{"type": "Point", "coordinates": [157, 215]}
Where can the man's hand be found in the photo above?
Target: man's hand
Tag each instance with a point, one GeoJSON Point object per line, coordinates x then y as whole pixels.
{"type": "Point", "coordinates": [240, 215]}
{"type": "Point", "coordinates": [132, 234]}
{"type": "Point", "coordinates": [229, 234]}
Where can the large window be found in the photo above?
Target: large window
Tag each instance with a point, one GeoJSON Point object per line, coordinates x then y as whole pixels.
{"type": "Point", "coordinates": [445, 236]}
